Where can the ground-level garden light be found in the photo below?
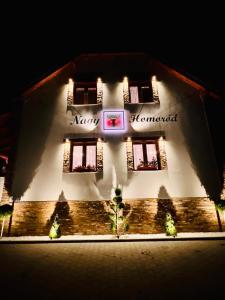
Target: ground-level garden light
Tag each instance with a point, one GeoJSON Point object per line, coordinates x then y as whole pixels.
{"type": "Point", "coordinates": [6, 211]}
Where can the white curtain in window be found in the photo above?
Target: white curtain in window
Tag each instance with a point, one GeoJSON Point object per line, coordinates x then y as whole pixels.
{"type": "Point", "coordinates": [134, 94]}
{"type": "Point", "coordinates": [77, 156]}
{"type": "Point", "coordinates": [91, 156]}
{"type": "Point", "coordinates": [138, 155]}
{"type": "Point", "coordinates": [151, 153]}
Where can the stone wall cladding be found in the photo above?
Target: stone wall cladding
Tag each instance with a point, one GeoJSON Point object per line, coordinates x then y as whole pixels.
{"type": "Point", "coordinates": [5, 196]}
{"type": "Point", "coordinates": [66, 157]}
{"type": "Point", "coordinates": [129, 148]}
{"type": "Point", "coordinates": [100, 155]}
{"type": "Point", "coordinates": [90, 217]}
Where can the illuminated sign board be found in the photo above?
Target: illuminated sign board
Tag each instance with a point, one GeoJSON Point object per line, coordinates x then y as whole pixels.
{"type": "Point", "coordinates": [113, 120]}
{"type": "Point", "coordinates": [117, 121]}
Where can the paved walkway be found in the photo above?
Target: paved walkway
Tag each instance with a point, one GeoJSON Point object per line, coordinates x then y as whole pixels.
{"type": "Point", "coordinates": [124, 270]}
{"type": "Point", "coordinates": [109, 237]}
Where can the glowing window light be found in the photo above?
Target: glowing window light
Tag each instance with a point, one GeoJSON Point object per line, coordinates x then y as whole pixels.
{"type": "Point", "coordinates": [151, 153]}
{"type": "Point", "coordinates": [91, 156]}
{"type": "Point", "coordinates": [77, 156]}
{"type": "Point", "coordinates": [138, 155]}
{"type": "Point", "coordinates": [134, 94]}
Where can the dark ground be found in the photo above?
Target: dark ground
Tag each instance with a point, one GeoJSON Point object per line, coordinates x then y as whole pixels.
{"type": "Point", "coordinates": [114, 270]}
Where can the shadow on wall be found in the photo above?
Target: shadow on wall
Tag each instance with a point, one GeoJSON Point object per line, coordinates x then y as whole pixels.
{"type": "Point", "coordinates": [38, 115]}
{"type": "Point", "coordinates": [215, 110]}
{"type": "Point", "coordinates": [198, 142]}
{"type": "Point", "coordinates": [197, 138]}
{"type": "Point", "coordinates": [115, 148]}
{"type": "Point", "coordinates": [165, 205]}
{"type": "Point", "coordinates": [62, 209]}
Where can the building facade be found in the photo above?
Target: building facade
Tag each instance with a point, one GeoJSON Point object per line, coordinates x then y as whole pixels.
{"type": "Point", "coordinates": [119, 119]}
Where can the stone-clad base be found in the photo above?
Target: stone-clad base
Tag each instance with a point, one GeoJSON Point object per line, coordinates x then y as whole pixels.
{"type": "Point", "coordinates": [90, 217]}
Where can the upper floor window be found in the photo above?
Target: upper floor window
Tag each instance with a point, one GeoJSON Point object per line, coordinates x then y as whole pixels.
{"type": "Point", "coordinates": [140, 92]}
{"type": "Point", "coordinates": [85, 93]}
{"type": "Point", "coordinates": [145, 155]}
{"type": "Point", "coordinates": [84, 156]}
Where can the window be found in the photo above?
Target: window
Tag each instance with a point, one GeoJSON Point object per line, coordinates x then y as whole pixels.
{"type": "Point", "coordinates": [140, 92]}
{"type": "Point", "coordinates": [83, 156]}
{"type": "Point", "coordinates": [145, 155]}
{"type": "Point", "coordinates": [85, 93]}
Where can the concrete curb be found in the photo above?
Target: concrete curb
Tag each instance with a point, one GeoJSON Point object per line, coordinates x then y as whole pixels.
{"type": "Point", "coordinates": [113, 238]}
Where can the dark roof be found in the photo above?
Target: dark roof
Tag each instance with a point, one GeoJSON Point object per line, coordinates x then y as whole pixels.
{"type": "Point", "coordinates": [108, 66]}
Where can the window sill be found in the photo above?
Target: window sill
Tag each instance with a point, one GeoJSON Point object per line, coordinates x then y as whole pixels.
{"type": "Point", "coordinates": [151, 170]}
{"type": "Point", "coordinates": [140, 103]}
{"type": "Point", "coordinates": [83, 172]}
{"type": "Point", "coordinates": [92, 104]}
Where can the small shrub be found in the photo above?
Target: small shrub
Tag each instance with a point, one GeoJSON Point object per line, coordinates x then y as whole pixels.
{"type": "Point", "coordinates": [119, 223]}
{"type": "Point", "coordinates": [55, 231]}
{"type": "Point", "coordinates": [169, 226]}
{"type": "Point", "coordinates": [5, 211]}
{"type": "Point", "coordinates": [118, 191]}
{"type": "Point", "coordinates": [117, 199]}
{"type": "Point", "coordinates": [220, 205]}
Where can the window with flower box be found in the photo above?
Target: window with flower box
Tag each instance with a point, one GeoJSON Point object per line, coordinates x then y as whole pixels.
{"type": "Point", "coordinates": [84, 156]}
{"type": "Point", "coordinates": [146, 155]}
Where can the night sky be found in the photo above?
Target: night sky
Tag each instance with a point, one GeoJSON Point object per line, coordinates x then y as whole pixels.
{"type": "Point", "coordinates": [39, 43]}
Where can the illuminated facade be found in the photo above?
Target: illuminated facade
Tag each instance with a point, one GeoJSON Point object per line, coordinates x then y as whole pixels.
{"type": "Point", "coordinates": [114, 119]}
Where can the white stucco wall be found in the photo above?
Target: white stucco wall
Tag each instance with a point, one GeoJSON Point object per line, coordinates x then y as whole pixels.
{"type": "Point", "coordinates": [39, 166]}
